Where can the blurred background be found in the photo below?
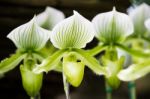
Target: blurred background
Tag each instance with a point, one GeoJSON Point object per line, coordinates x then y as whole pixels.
{"type": "Point", "coordinates": [16, 12]}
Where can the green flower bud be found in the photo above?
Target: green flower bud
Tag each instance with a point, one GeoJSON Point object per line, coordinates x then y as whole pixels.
{"type": "Point", "coordinates": [112, 27]}
{"type": "Point", "coordinates": [31, 82]}
{"type": "Point", "coordinates": [29, 36]}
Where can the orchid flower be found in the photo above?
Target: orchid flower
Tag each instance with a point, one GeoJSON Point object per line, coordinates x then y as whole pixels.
{"type": "Point", "coordinates": [69, 36]}
{"type": "Point", "coordinates": [29, 39]}
{"type": "Point", "coordinates": [137, 71]}
{"type": "Point", "coordinates": [112, 28]}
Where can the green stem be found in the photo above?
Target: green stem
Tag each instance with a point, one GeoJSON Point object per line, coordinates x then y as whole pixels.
{"type": "Point", "coordinates": [108, 91]}
{"type": "Point", "coordinates": [133, 52]}
{"type": "Point", "coordinates": [97, 50]}
{"type": "Point", "coordinates": [132, 89]}
{"type": "Point", "coordinates": [66, 86]}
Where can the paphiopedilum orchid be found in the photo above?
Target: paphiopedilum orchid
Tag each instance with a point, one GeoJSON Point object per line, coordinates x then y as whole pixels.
{"type": "Point", "coordinates": [29, 39]}
{"type": "Point", "coordinates": [137, 71]}
{"type": "Point", "coordinates": [69, 36]}
{"type": "Point", "coordinates": [112, 28]}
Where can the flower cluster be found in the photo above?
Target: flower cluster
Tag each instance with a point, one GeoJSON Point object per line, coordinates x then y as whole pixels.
{"type": "Point", "coordinates": [116, 32]}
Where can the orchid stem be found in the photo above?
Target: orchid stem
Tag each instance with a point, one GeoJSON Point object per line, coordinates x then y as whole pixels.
{"type": "Point", "coordinates": [108, 91]}
{"type": "Point", "coordinates": [66, 87]}
{"type": "Point", "coordinates": [132, 89]}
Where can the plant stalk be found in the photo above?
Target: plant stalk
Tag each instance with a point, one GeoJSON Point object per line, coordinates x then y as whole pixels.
{"type": "Point", "coordinates": [132, 90]}
{"type": "Point", "coordinates": [108, 91]}
{"type": "Point", "coordinates": [66, 87]}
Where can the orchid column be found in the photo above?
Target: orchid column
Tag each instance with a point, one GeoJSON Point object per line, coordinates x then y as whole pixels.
{"type": "Point", "coordinates": [69, 36]}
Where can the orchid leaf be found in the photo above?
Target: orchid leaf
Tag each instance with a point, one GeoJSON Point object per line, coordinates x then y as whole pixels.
{"type": "Point", "coordinates": [29, 36]}
{"type": "Point", "coordinates": [73, 32]}
{"type": "Point", "coordinates": [112, 27]}
{"type": "Point", "coordinates": [11, 62]}
{"type": "Point", "coordinates": [135, 71]}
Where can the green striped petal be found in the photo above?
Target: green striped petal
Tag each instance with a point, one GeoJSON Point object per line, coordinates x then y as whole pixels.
{"type": "Point", "coordinates": [112, 27]}
{"type": "Point", "coordinates": [50, 17]}
{"type": "Point", "coordinates": [138, 15]}
{"type": "Point", "coordinates": [29, 36]}
{"type": "Point", "coordinates": [73, 32]}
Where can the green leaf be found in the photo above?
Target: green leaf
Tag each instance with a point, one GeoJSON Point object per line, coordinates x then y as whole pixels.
{"type": "Point", "coordinates": [139, 15]}
{"type": "Point", "coordinates": [73, 32]}
{"type": "Point", "coordinates": [50, 17]}
{"type": "Point", "coordinates": [31, 82]}
{"type": "Point", "coordinates": [90, 61]}
{"type": "Point", "coordinates": [135, 71]}
{"type": "Point", "coordinates": [29, 36]}
{"type": "Point", "coordinates": [11, 62]}
{"type": "Point", "coordinates": [51, 62]}
{"type": "Point", "coordinates": [112, 27]}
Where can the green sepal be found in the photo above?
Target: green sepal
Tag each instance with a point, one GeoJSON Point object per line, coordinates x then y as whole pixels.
{"type": "Point", "coordinates": [74, 72]}
{"type": "Point", "coordinates": [31, 82]}
{"type": "Point", "coordinates": [90, 62]}
{"type": "Point", "coordinates": [11, 62]}
{"type": "Point", "coordinates": [113, 68]}
{"type": "Point", "coordinates": [51, 62]}
{"type": "Point", "coordinates": [135, 71]}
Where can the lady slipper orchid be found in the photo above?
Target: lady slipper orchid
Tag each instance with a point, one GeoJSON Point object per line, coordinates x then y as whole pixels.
{"type": "Point", "coordinates": [112, 27]}
{"type": "Point", "coordinates": [29, 39]}
{"type": "Point", "coordinates": [69, 36]}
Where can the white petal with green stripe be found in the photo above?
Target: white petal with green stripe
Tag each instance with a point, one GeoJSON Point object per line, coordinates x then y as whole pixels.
{"type": "Point", "coordinates": [147, 24]}
{"type": "Point", "coordinates": [73, 32]}
{"type": "Point", "coordinates": [50, 17]}
{"type": "Point", "coordinates": [112, 27]}
{"type": "Point", "coordinates": [29, 36]}
{"type": "Point", "coordinates": [138, 15]}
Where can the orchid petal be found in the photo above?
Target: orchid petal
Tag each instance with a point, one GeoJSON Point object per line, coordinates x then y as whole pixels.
{"type": "Point", "coordinates": [50, 17]}
{"type": "Point", "coordinates": [112, 27]}
{"type": "Point", "coordinates": [73, 32]}
{"type": "Point", "coordinates": [138, 15]}
{"type": "Point", "coordinates": [29, 36]}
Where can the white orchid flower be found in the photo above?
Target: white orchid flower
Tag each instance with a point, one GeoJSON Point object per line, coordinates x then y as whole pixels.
{"type": "Point", "coordinates": [113, 26]}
